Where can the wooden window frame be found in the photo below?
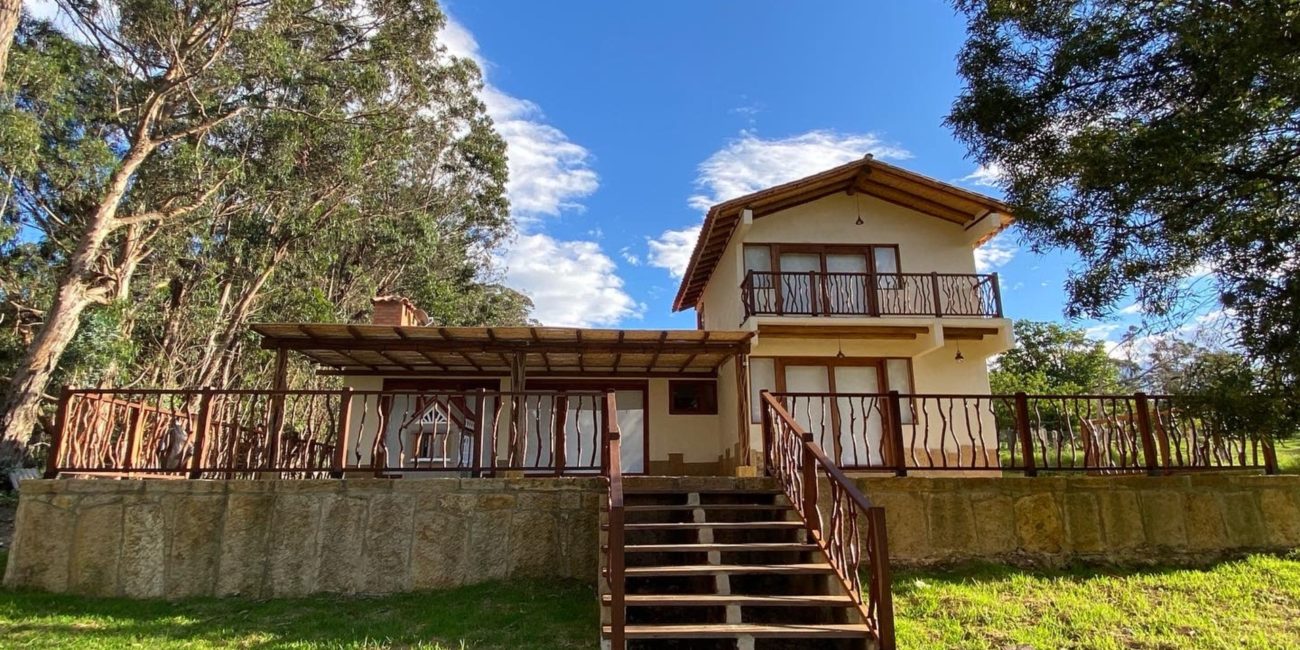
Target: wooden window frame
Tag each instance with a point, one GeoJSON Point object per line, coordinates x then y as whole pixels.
{"type": "Point", "coordinates": [868, 251]}
{"type": "Point", "coordinates": [707, 406]}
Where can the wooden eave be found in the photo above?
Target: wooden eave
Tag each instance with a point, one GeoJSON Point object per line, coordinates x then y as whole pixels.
{"type": "Point", "coordinates": [390, 350]}
{"type": "Point", "coordinates": [868, 176]}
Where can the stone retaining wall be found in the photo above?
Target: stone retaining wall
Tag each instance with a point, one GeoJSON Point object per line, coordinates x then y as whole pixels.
{"type": "Point", "coordinates": [283, 538]}
{"type": "Point", "coordinates": [1113, 519]}
{"type": "Point", "coordinates": [269, 538]}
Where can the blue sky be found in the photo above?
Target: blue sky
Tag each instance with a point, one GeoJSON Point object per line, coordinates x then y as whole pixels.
{"type": "Point", "coordinates": [623, 123]}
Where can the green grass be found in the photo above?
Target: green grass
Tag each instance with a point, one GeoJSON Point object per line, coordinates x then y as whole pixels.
{"type": "Point", "coordinates": [1246, 604]}
{"type": "Point", "coordinates": [1288, 456]}
{"type": "Point", "coordinates": [556, 615]}
{"type": "Point", "coordinates": [1251, 603]}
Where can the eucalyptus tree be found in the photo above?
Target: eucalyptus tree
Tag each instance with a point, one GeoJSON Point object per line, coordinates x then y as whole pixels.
{"type": "Point", "coordinates": [1160, 141]}
{"type": "Point", "coordinates": [210, 141]}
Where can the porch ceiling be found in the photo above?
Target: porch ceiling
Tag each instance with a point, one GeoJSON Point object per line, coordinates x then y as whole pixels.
{"type": "Point", "coordinates": [392, 350]}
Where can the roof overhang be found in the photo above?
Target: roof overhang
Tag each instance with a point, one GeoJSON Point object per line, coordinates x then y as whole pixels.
{"type": "Point", "coordinates": [394, 350]}
{"type": "Point", "coordinates": [983, 215]}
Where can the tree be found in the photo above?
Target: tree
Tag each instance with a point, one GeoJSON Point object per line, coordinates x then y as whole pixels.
{"type": "Point", "coordinates": [1157, 140]}
{"type": "Point", "coordinates": [1053, 359]}
{"type": "Point", "coordinates": [208, 146]}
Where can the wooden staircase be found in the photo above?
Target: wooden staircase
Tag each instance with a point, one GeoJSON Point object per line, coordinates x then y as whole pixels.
{"type": "Point", "coordinates": [726, 568]}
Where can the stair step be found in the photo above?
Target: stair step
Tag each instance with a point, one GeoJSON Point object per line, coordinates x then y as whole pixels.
{"type": "Point", "coordinates": [712, 600]}
{"type": "Point", "coordinates": [733, 630]}
{"type": "Point", "coordinates": [706, 506]}
{"type": "Point", "coordinates": [711, 569]}
{"type": "Point", "coordinates": [734, 525]}
{"type": "Point", "coordinates": [725, 548]}
{"type": "Point", "coordinates": [629, 490]}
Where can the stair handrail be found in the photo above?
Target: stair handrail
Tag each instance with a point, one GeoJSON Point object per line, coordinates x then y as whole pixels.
{"type": "Point", "coordinates": [793, 459]}
{"type": "Point", "coordinates": [613, 469]}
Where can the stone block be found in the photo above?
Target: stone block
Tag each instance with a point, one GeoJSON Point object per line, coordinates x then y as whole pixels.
{"type": "Point", "coordinates": [534, 551]}
{"type": "Point", "coordinates": [1121, 519]}
{"type": "Point", "coordinates": [1039, 528]}
{"type": "Point", "coordinates": [1243, 519]}
{"type": "Point", "coordinates": [144, 545]}
{"type": "Point", "coordinates": [244, 543]}
{"type": "Point", "coordinates": [951, 523]}
{"type": "Point", "coordinates": [905, 522]}
{"type": "Point", "coordinates": [193, 523]}
{"type": "Point", "coordinates": [1205, 527]}
{"type": "Point", "coordinates": [1164, 518]}
{"type": "Point", "coordinates": [1281, 518]}
{"type": "Point", "coordinates": [1083, 523]}
{"type": "Point", "coordinates": [439, 548]}
{"type": "Point", "coordinates": [342, 563]}
{"type": "Point", "coordinates": [388, 544]}
{"type": "Point", "coordinates": [995, 526]}
{"type": "Point", "coordinates": [96, 546]}
{"type": "Point", "coordinates": [42, 546]}
{"type": "Point", "coordinates": [489, 549]}
{"type": "Point", "coordinates": [293, 557]}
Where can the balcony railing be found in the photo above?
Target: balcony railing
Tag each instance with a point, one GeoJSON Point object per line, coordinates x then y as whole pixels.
{"type": "Point", "coordinates": [790, 293]}
{"type": "Point", "coordinates": [1096, 434]}
{"type": "Point", "coordinates": [206, 433]}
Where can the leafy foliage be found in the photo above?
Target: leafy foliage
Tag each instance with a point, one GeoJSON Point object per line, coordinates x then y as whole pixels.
{"type": "Point", "coordinates": [1155, 139]}
{"type": "Point", "coordinates": [1053, 359]}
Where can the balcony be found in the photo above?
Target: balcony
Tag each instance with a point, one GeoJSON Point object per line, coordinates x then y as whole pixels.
{"type": "Point", "coordinates": [975, 295]}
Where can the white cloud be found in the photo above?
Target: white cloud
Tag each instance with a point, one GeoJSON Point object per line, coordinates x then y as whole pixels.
{"type": "Point", "coordinates": [985, 176]}
{"type": "Point", "coordinates": [995, 253]}
{"type": "Point", "coordinates": [672, 250]}
{"type": "Point", "coordinates": [749, 163]}
{"type": "Point", "coordinates": [629, 256]}
{"type": "Point", "coordinates": [571, 283]}
{"type": "Point", "coordinates": [548, 172]}
{"type": "Point", "coordinates": [1131, 309]}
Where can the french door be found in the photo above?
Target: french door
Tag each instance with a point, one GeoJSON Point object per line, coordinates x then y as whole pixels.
{"type": "Point", "coordinates": [582, 425]}
{"type": "Point", "coordinates": [842, 408]}
{"type": "Point", "coordinates": [820, 279]}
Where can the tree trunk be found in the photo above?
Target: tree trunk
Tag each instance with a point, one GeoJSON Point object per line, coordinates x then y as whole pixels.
{"type": "Point", "coordinates": [77, 290]}
{"type": "Point", "coordinates": [10, 12]}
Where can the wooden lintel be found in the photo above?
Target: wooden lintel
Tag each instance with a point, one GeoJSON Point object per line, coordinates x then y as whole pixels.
{"type": "Point", "coordinates": [555, 347]}
{"type": "Point", "coordinates": [902, 332]}
{"type": "Point", "coordinates": [968, 333]}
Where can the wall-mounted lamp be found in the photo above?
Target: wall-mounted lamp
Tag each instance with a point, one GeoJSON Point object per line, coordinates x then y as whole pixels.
{"type": "Point", "coordinates": [959, 358]}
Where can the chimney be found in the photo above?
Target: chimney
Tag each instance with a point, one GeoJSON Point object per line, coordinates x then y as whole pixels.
{"type": "Point", "coordinates": [396, 310]}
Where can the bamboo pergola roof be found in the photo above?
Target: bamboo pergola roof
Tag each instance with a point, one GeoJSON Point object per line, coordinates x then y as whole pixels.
{"type": "Point", "coordinates": [393, 350]}
{"type": "Point", "coordinates": [868, 176]}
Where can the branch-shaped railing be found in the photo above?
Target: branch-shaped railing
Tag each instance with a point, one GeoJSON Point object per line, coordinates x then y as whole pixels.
{"type": "Point", "coordinates": [799, 465]}
{"type": "Point", "coordinates": [1099, 434]}
{"type": "Point", "coordinates": [812, 293]}
{"type": "Point", "coordinates": [206, 433]}
{"type": "Point", "coordinates": [614, 536]}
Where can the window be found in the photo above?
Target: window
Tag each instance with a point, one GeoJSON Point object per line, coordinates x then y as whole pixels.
{"type": "Point", "coordinates": [692, 397]}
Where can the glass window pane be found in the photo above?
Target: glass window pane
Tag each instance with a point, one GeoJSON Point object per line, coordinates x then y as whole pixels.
{"type": "Point", "coordinates": [898, 374]}
{"type": "Point", "coordinates": [758, 258]}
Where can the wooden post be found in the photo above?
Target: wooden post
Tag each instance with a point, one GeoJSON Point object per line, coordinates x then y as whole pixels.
{"type": "Point", "coordinates": [201, 432]}
{"type": "Point", "coordinates": [766, 417]}
{"type": "Point", "coordinates": [809, 480]}
{"type": "Point", "coordinates": [560, 417]}
{"type": "Point", "coordinates": [480, 427]}
{"type": "Point", "coordinates": [1149, 451]}
{"type": "Point", "coordinates": [742, 407]}
{"type": "Point", "coordinates": [60, 434]}
{"type": "Point", "coordinates": [997, 294]}
{"type": "Point", "coordinates": [938, 303]}
{"type": "Point", "coordinates": [1270, 455]}
{"type": "Point", "coordinates": [134, 425]}
{"type": "Point", "coordinates": [276, 423]}
{"type": "Point", "coordinates": [894, 441]}
{"type": "Point", "coordinates": [881, 588]}
{"type": "Point", "coordinates": [341, 438]}
{"type": "Point", "coordinates": [1023, 431]}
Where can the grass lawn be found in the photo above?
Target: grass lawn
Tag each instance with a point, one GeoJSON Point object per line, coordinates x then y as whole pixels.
{"type": "Point", "coordinates": [1288, 455]}
{"type": "Point", "coordinates": [1251, 603]}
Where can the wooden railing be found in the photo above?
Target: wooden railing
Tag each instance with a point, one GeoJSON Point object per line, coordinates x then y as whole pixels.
{"type": "Point", "coordinates": [244, 433]}
{"type": "Point", "coordinates": [871, 294]}
{"type": "Point", "coordinates": [1099, 434]}
{"type": "Point", "coordinates": [835, 522]}
{"type": "Point", "coordinates": [614, 536]}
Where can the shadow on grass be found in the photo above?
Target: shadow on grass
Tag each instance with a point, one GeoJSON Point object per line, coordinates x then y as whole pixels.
{"type": "Point", "coordinates": [517, 614]}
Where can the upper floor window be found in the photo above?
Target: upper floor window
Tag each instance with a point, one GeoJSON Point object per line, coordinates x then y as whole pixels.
{"type": "Point", "coordinates": [818, 278]}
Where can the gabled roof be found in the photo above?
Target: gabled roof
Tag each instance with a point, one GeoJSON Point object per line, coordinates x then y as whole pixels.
{"type": "Point", "coordinates": [871, 177]}
{"type": "Point", "coordinates": [391, 349]}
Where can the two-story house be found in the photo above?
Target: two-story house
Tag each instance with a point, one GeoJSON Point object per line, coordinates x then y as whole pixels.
{"type": "Point", "coordinates": [857, 280]}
